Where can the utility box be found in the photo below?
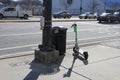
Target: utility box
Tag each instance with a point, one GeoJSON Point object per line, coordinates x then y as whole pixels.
{"type": "Point", "coordinates": [59, 39]}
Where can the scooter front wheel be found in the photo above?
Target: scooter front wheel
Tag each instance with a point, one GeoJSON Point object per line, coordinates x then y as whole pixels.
{"type": "Point", "coordinates": [75, 50]}
{"type": "Point", "coordinates": [85, 55]}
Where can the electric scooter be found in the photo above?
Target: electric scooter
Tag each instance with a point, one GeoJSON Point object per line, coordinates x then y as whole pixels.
{"type": "Point", "coordinates": [77, 51]}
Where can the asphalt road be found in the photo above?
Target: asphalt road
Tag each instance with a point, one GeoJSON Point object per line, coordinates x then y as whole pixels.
{"type": "Point", "coordinates": [23, 37]}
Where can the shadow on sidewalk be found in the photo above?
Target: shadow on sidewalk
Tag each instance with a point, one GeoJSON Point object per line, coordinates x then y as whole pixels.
{"type": "Point", "coordinates": [38, 69]}
{"type": "Point", "coordinates": [70, 70]}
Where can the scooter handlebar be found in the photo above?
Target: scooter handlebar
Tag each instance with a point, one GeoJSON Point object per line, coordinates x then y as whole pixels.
{"type": "Point", "coordinates": [73, 25]}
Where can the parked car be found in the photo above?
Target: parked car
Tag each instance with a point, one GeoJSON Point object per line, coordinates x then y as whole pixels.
{"type": "Point", "coordinates": [93, 16]}
{"type": "Point", "coordinates": [14, 12]}
{"type": "Point", "coordinates": [104, 17]}
{"type": "Point", "coordinates": [115, 17]}
{"type": "Point", "coordinates": [62, 14]}
{"type": "Point", "coordinates": [84, 15]}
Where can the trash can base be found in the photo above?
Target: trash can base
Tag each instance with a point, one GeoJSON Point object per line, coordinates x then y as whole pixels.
{"type": "Point", "coordinates": [47, 57]}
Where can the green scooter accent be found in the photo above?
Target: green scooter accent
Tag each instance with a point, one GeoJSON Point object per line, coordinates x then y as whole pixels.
{"type": "Point", "coordinates": [75, 30]}
{"type": "Point", "coordinates": [76, 48]}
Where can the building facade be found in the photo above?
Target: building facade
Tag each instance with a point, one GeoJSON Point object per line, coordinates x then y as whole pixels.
{"type": "Point", "coordinates": [81, 6]}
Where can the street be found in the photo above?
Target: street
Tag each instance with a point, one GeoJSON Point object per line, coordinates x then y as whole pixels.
{"type": "Point", "coordinates": [23, 37]}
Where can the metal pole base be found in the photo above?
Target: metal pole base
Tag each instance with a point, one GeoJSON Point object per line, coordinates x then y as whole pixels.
{"type": "Point", "coordinates": [46, 57]}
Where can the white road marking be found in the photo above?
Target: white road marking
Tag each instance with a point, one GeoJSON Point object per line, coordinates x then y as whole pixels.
{"type": "Point", "coordinates": [33, 45]}
{"type": "Point", "coordinates": [18, 47]}
{"type": "Point", "coordinates": [6, 35]}
{"type": "Point", "coordinates": [33, 48]}
{"type": "Point", "coordinates": [92, 38]}
{"type": "Point", "coordinates": [100, 30]}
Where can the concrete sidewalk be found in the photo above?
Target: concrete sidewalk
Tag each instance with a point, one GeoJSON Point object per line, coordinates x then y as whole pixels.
{"type": "Point", "coordinates": [103, 64]}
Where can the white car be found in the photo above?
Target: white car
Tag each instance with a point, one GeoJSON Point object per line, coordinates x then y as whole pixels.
{"type": "Point", "coordinates": [13, 12]}
{"type": "Point", "coordinates": [93, 16]}
{"type": "Point", "coordinates": [84, 15]}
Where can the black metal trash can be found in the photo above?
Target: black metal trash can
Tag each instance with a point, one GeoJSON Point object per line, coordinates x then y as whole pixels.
{"type": "Point", "coordinates": [59, 39]}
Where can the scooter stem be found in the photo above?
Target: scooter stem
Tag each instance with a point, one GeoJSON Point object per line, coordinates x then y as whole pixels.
{"type": "Point", "coordinates": [75, 30]}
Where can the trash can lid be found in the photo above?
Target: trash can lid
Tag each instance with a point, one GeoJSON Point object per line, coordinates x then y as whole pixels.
{"type": "Point", "coordinates": [58, 27]}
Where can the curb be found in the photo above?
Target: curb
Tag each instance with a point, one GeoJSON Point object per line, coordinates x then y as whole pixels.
{"type": "Point", "coordinates": [16, 55]}
{"type": "Point", "coordinates": [8, 56]}
{"type": "Point", "coordinates": [69, 46]}
{"type": "Point", "coordinates": [62, 20]}
{"type": "Point", "coordinates": [74, 20]}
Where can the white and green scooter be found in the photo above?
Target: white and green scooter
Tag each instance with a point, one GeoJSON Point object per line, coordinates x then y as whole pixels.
{"type": "Point", "coordinates": [77, 51]}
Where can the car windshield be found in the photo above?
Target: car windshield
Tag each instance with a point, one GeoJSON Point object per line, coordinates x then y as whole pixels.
{"type": "Point", "coordinates": [60, 12]}
{"type": "Point", "coordinates": [87, 12]}
{"type": "Point", "coordinates": [83, 14]}
{"type": "Point", "coordinates": [96, 14]}
{"type": "Point", "coordinates": [105, 14]}
{"type": "Point", "coordinates": [116, 13]}
{"type": "Point", "coordinates": [2, 9]}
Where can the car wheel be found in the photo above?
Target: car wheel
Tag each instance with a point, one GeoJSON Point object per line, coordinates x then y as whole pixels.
{"type": "Point", "coordinates": [58, 16]}
{"type": "Point", "coordinates": [1, 16]}
{"type": "Point", "coordinates": [109, 21]}
{"type": "Point", "coordinates": [64, 17]}
{"type": "Point", "coordinates": [69, 16]}
{"type": "Point", "coordinates": [80, 17]}
{"type": "Point", "coordinates": [86, 17]}
{"type": "Point", "coordinates": [25, 16]}
{"type": "Point", "coordinates": [95, 17]}
{"type": "Point", "coordinates": [21, 17]}
{"type": "Point", "coordinates": [99, 21]}
{"type": "Point", "coordinates": [54, 16]}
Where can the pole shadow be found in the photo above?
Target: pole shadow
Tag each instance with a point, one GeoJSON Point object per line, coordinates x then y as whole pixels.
{"type": "Point", "coordinates": [38, 69]}
{"type": "Point", "coordinates": [70, 70]}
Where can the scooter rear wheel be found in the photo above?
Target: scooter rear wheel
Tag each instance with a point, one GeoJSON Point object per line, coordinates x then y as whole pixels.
{"type": "Point", "coordinates": [75, 54]}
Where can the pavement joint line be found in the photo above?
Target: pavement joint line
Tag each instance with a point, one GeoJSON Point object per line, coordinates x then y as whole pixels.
{"type": "Point", "coordinates": [106, 59]}
{"type": "Point", "coordinates": [90, 43]}
{"type": "Point", "coordinates": [111, 58]}
{"type": "Point", "coordinates": [102, 60]}
{"type": "Point", "coordinates": [70, 70]}
{"type": "Point", "coordinates": [77, 73]}
{"type": "Point", "coordinates": [82, 75]}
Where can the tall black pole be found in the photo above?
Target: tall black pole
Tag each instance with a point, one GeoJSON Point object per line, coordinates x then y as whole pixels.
{"type": "Point", "coordinates": [80, 6]}
{"type": "Point", "coordinates": [46, 53]}
{"type": "Point", "coordinates": [47, 34]}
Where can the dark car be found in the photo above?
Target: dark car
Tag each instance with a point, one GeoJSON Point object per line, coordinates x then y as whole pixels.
{"type": "Point", "coordinates": [62, 14]}
{"type": "Point", "coordinates": [104, 17]}
{"type": "Point", "coordinates": [115, 17]}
